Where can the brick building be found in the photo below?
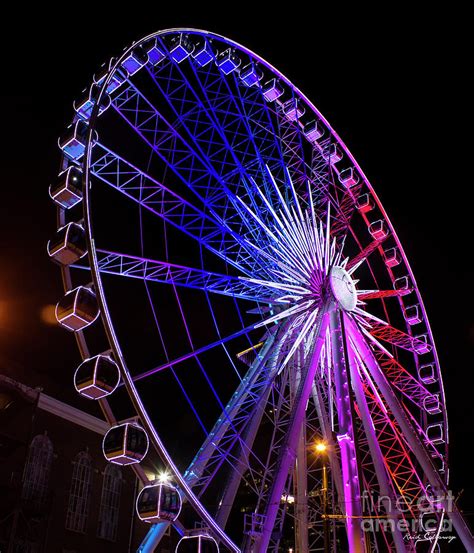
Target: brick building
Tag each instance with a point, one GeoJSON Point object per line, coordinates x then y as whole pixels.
{"type": "Point", "coordinates": [58, 493]}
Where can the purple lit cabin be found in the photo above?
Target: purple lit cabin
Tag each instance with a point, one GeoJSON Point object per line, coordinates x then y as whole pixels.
{"type": "Point", "coordinates": [313, 131]}
{"type": "Point", "coordinates": [97, 377]}
{"type": "Point", "coordinates": [125, 444]}
{"type": "Point", "coordinates": [77, 309]}
{"type": "Point", "coordinates": [67, 190]}
{"type": "Point", "coordinates": [272, 90]}
{"type": "Point", "coordinates": [68, 245]}
{"type": "Point", "coordinates": [159, 503]}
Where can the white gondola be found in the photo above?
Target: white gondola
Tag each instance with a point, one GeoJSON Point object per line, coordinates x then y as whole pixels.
{"type": "Point", "coordinates": [313, 130]}
{"type": "Point", "coordinates": [435, 434]}
{"type": "Point", "coordinates": [67, 190]}
{"type": "Point", "coordinates": [293, 109]}
{"type": "Point", "coordinates": [413, 314]}
{"type": "Point", "coordinates": [97, 377]}
{"type": "Point", "coordinates": [228, 61]}
{"type": "Point", "coordinates": [364, 203]}
{"type": "Point", "coordinates": [272, 90]}
{"type": "Point", "coordinates": [332, 153]}
{"type": "Point", "coordinates": [158, 503]}
{"type": "Point", "coordinates": [348, 177]}
{"type": "Point", "coordinates": [117, 79]}
{"type": "Point", "coordinates": [69, 244]}
{"type": "Point", "coordinates": [200, 543]}
{"type": "Point", "coordinates": [181, 48]}
{"type": "Point", "coordinates": [421, 344]}
{"type": "Point", "coordinates": [125, 444]}
{"type": "Point", "coordinates": [378, 230]}
{"type": "Point", "coordinates": [392, 257]}
{"type": "Point", "coordinates": [432, 405]}
{"type": "Point", "coordinates": [135, 60]}
{"type": "Point", "coordinates": [77, 309]}
{"type": "Point", "coordinates": [427, 373]}
{"type": "Point", "coordinates": [86, 103]}
{"type": "Point", "coordinates": [73, 142]}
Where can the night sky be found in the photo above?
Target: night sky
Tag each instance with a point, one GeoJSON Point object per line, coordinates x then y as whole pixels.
{"type": "Point", "coordinates": [392, 88]}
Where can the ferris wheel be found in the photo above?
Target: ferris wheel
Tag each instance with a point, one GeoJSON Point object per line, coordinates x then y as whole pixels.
{"type": "Point", "coordinates": [261, 328]}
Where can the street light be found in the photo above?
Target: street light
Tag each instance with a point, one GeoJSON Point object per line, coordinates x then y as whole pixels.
{"type": "Point", "coordinates": [321, 447]}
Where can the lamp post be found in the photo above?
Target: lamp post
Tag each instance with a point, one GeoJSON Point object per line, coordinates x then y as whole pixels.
{"type": "Point", "coordinates": [321, 449]}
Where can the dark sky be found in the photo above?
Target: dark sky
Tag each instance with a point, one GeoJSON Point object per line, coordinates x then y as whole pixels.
{"type": "Point", "coordinates": [391, 84]}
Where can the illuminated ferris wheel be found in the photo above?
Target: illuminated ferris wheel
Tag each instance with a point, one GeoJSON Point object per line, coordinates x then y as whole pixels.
{"type": "Point", "coordinates": [261, 329]}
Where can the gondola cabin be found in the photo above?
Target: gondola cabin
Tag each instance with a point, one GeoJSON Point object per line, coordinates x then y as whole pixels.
{"type": "Point", "coordinates": [77, 309]}
{"type": "Point", "coordinates": [67, 190]}
{"type": "Point", "coordinates": [135, 60]}
{"type": "Point", "coordinates": [201, 543]}
{"type": "Point", "coordinates": [158, 503]}
{"type": "Point", "coordinates": [97, 377]}
{"type": "Point", "coordinates": [69, 244]}
{"type": "Point", "coordinates": [73, 142]}
{"type": "Point", "coordinates": [125, 444]}
{"type": "Point", "coordinates": [86, 102]}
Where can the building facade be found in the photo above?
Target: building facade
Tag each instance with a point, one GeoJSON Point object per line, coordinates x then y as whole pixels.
{"type": "Point", "coordinates": [58, 493]}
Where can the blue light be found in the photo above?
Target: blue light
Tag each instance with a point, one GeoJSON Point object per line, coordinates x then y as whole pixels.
{"type": "Point", "coordinates": [228, 61]}
{"type": "Point", "coordinates": [181, 48]}
{"type": "Point", "coordinates": [155, 54]}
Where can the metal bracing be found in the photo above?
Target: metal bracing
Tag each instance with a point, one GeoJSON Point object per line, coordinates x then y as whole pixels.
{"type": "Point", "coordinates": [147, 191]}
{"type": "Point", "coordinates": [168, 273]}
{"type": "Point", "coordinates": [287, 448]}
{"type": "Point", "coordinates": [346, 435]}
{"type": "Point", "coordinates": [412, 438]}
{"type": "Point", "coordinates": [384, 483]}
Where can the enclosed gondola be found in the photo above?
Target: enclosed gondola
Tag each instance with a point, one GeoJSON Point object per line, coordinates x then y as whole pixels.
{"type": "Point", "coordinates": [97, 377]}
{"type": "Point", "coordinates": [125, 444]}
{"type": "Point", "coordinates": [67, 190]}
{"type": "Point", "coordinates": [69, 244]}
{"type": "Point", "coordinates": [77, 309]}
{"type": "Point", "coordinates": [159, 503]}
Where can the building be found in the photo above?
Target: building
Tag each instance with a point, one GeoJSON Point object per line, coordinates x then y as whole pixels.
{"type": "Point", "coordinates": [58, 493]}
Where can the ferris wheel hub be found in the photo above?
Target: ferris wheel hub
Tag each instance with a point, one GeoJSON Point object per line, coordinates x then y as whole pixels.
{"type": "Point", "coordinates": [343, 288]}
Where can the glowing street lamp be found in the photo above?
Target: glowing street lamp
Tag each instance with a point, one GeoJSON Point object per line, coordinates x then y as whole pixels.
{"type": "Point", "coordinates": [321, 447]}
{"type": "Point", "coordinates": [164, 477]}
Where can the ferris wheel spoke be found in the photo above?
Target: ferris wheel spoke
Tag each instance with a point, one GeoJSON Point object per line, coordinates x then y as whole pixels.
{"type": "Point", "coordinates": [194, 116]}
{"type": "Point", "coordinates": [129, 266]}
{"type": "Point", "coordinates": [140, 187]}
{"type": "Point", "coordinates": [381, 294]}
{"type": "Point", "coordinates": [184, 160]}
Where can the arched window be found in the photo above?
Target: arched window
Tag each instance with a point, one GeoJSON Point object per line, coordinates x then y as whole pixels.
{"type": "Point", "coordinates": [79, 495]}
{"type": "Point", "coordinates": [110, 503]}
{"type": "Point", "coordinates": [37, 471]}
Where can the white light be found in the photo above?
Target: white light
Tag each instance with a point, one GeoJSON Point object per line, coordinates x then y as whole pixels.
{"type": "Point", "coordinates": [164, 477]}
